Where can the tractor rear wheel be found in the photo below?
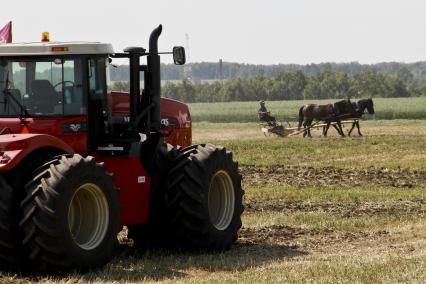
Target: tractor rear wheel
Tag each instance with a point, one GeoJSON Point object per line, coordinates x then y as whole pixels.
{"type": "Point", "coordinates": [204, 198]}
{"type": "Point", "coordinates": [71, 214]}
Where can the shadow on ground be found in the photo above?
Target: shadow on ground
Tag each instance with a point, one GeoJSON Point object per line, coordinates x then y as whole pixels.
{"type": "Point", "coordinates": [159, 264]}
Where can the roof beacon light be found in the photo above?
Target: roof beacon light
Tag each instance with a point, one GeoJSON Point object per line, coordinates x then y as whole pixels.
{"type": "Point", "coordinates": [45, 36]}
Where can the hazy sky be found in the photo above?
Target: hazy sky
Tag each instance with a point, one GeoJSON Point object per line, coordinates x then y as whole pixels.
{"type": "Point", "coordinates": [244, 31]}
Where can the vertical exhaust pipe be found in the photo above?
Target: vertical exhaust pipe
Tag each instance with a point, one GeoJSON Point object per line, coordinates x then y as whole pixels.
{"type": "Point", "coordinates": [153, 61]}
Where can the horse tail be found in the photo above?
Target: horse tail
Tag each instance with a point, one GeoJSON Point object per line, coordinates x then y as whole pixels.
{"type": "Point", "coordinates": [300, 118]}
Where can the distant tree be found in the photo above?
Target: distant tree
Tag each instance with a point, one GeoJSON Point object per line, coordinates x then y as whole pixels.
{"type": "Point", "coordinates": [397, 87]}
{"type": "Point", "coordinates": [370, 84]}
{"type": "Point", "coordinates": [171, 90]}
{"type": "Point", "coordinates": [313, 89]}
{"type": "Point", "coordinates": [233, 90]}
{"type": "Point", "coordinates": [208, 92]}
{"type": "Point", "coordinates": [293, 85]}
{"type": "Point", "coordinates": [121, 86]}
{"type": "Point", "coordinates": [256, 89]}
{"type": "Point", "coordinates": [187, 92]}
{"type": "Point", "coordinates": [290, 85]}
{"type": "Point", "coordinates": [419, 90]}
{"type": "Point", "coordinates": [405, 75]}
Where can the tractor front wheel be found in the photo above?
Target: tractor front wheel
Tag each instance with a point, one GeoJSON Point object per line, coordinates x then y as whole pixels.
{"type": "Point", "coordinates": [71, 214]}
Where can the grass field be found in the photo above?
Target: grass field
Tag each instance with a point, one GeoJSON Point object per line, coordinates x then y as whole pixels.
{"type": "Point", "coordinates": [396, 108]}
{"type": "Point", "coordinates": [321, 210]}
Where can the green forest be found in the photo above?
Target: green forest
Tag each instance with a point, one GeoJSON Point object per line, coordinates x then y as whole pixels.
{"type": "Point", "coordinates": [208, 82]}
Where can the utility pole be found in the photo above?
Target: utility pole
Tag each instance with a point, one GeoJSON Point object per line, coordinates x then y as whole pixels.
{"type": "Point", "coordinates": [187, 69]}
{"type": "Point", "coordinates": [221, 71]}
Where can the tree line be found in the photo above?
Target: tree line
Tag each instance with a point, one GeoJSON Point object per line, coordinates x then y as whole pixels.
{"type": "Point", "coordinates": [413, 72]}
{"type": "Point", "coordinates": [293, 85]}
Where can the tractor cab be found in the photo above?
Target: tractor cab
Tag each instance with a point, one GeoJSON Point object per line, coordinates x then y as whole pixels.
{"type": "Point", "coordinates": [62, 89]}
{"type": "Point", "coordinates": [54, 88]}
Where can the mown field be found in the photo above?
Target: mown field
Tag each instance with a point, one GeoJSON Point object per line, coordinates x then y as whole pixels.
{"type": "Point", "coordinates": [395, 108]}
{"type": "Point", "coordinates": [321, 210]}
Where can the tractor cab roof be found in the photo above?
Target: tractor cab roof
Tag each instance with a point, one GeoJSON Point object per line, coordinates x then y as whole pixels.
{"type": "Point", "coordinates": [54, 48]}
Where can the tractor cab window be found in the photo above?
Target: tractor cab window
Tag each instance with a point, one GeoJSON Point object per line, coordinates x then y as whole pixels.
{"type": "Point", "coordinates": [98, 87]}
{"type": "Point", "coordinates": [98, 102]}
{"type": "Point", "coordinates": [97, 79]}
{"type": "Point", "coordinates": [41, 87]}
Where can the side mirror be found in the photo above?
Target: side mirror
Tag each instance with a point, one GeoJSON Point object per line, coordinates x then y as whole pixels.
{"type": "Point", "coordinates": [179, 55]}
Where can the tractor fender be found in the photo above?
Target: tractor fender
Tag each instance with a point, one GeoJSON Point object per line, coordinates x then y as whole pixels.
{"type": "Point", "coordinates": [15, 147]}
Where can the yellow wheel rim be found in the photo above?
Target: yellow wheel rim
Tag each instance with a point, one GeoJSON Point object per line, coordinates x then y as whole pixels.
{"type": "Point", "coordinates": [221, 200]}
{"type": "Point", "coordinates": [88, 216]}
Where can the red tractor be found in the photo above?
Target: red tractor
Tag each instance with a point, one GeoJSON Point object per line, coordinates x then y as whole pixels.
{"type": "Point", "coordinates": [78, 162]}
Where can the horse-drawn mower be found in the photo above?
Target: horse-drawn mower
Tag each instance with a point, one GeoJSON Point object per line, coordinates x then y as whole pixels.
{"type": "Point", "coordinates": [283, 131]}
{"type": "Point", "coordinates": [336, 115]}
{"type": "Point", "coordinates": [278, 129]}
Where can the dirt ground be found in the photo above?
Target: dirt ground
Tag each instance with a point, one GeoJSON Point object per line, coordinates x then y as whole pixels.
{"type": "Point", "coordinates": [331, 176]}
{"type": "Point", "coordinates": [343, 178]}
{"type": "Point", "coordinates": [303, 238]}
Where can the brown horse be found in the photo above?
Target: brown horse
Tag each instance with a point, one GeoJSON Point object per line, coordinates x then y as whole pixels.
{"type": "Point", "coordinates": [311, 112]}
{"type": "Point", "coordinates": [346, 109]}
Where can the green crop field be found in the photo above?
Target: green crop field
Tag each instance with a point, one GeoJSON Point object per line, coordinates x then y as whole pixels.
{"type": "Point", "coordinates": [396, 108]}
{"type": "Point", "coordinates": [322, 210]}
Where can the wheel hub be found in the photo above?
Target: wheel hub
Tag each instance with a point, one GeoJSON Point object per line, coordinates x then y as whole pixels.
{"type": "Point", "coordinates": [88, 216]}
{"type": "Point", "coordinates": [221, 200]}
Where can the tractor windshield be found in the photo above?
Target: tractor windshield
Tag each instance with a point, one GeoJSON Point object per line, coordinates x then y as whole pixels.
{"type": "Point", "coordinates": [41, 87]}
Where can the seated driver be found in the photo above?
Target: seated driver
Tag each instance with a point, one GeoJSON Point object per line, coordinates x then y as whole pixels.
{"type": "Point", "coordinates": [265, 116]}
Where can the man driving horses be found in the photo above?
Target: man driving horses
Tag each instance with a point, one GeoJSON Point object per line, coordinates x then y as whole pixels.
{"type": "Point", "coordinates": [265, 115]}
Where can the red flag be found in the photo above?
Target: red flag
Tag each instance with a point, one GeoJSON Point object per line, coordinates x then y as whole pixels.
{"type": "Point", "coordinates": [6, 33]}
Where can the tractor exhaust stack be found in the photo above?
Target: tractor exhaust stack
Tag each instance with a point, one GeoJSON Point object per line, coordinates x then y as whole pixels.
{"type": "Point", "coordinates": [154, 80]}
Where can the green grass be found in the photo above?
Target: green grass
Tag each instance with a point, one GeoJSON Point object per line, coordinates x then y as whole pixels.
{"type": "Point", "coordinates": [377, 151]}
{"type": "Point", "coordinates": [322, 195]}
{"type": "Point", "coordinates": [321, 222]}
{"type": "Point", "coordinates": [394, 108]}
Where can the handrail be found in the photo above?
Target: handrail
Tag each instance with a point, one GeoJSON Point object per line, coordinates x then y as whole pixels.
{"type": "Point", "coordinates": [2, 132]}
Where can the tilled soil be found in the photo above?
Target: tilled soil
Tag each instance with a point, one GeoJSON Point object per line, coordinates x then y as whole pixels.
{"type": "Point", "coordinates": [276, 233]}
{"type": "Point", "coordinates": [341, 209]}
{"type": "Point", "coordinates": [330, 176]}
{"type": "Point", "coordinates": [298, 237]}
{"type": "Point", "coordinates": [300, 177]}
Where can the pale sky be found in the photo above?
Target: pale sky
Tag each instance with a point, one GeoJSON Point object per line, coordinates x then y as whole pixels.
{"type": "Point", "coordinates": [243, 31]}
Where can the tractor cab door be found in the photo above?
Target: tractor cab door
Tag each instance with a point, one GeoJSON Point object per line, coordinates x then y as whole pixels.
{"type": "Point", "coordinates": [97, 102]}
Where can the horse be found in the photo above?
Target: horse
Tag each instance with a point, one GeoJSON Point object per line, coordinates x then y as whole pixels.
{"type": "Point", "coordinates": [308, 113]}
{"type": "Point", "coordinates": [340, 108]}
{"type": "Point", "coordinates": [360, 107]}
{"type": "Point", "coordinates": [350, 110]}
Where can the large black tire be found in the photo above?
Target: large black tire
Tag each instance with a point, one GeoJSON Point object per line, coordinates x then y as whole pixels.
{"type": "Point", "coordinates": [71, 214]}
{"type": "Point", "coordinates": [204, 198]}
{"type": "Point", "coordinates": [12, 253]}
